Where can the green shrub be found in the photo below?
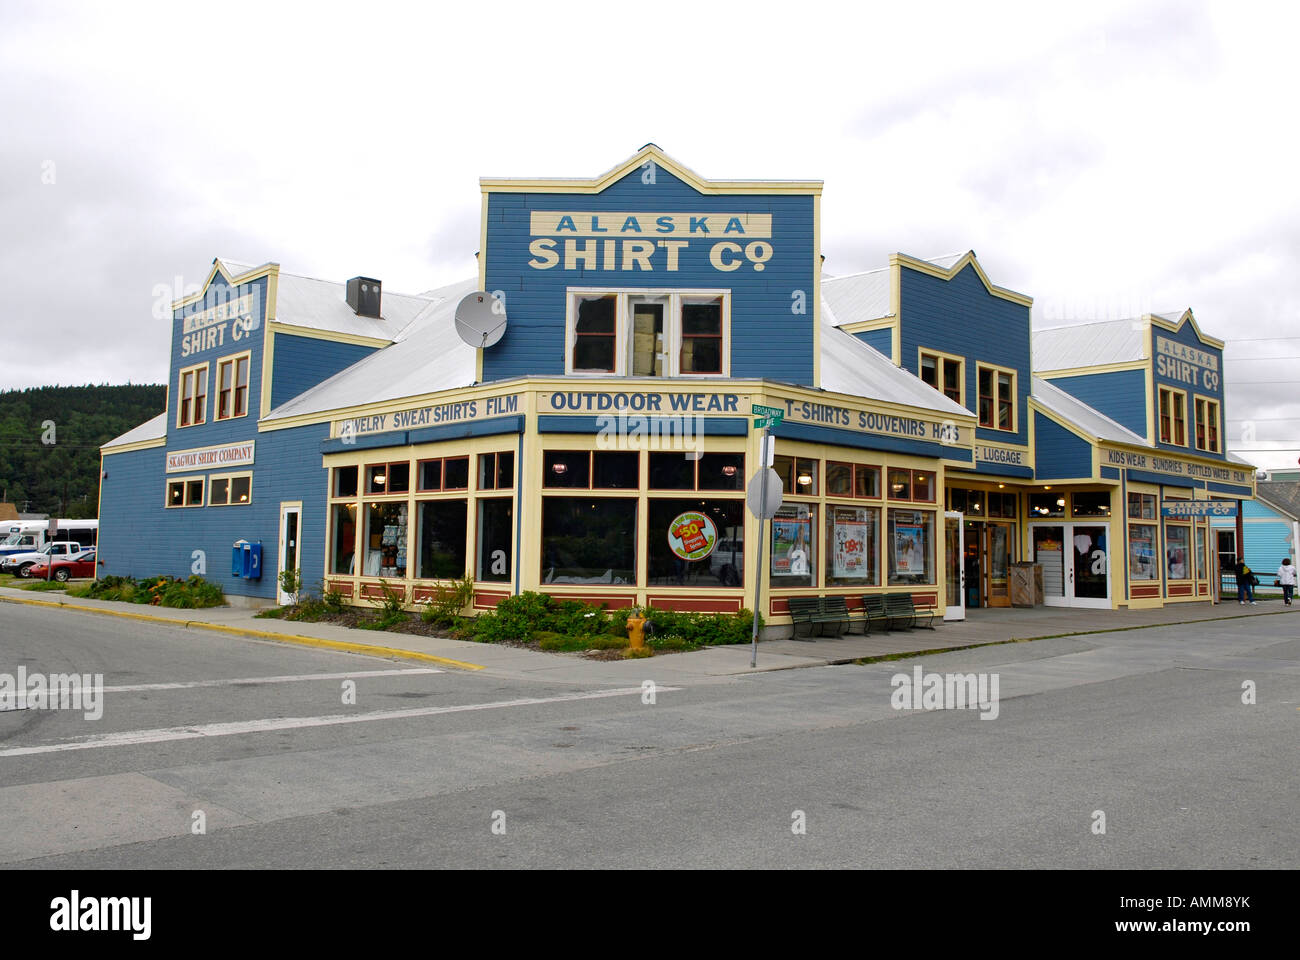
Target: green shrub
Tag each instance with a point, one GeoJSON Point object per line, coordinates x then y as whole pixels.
{"type": "Point", "coordinates": [291, 583]}
{"type": "Point", "coordinates": [331, 598]}
{"type": "Point", "coordinates": [444, 607]}
{"type": "Point", "coordinates": [40, 585]}
{"type": "Point", "coordinates": [703, 629]}
{"type": "Point", "coordinates": [390, 608]}
{"type": "Point", "coordinates": [520, 619]}
{"type": "Point", "coordinates": [160, 591]}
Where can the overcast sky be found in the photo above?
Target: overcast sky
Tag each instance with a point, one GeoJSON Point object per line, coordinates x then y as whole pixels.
{"type": "Point", "coordinates": [1107, 159]}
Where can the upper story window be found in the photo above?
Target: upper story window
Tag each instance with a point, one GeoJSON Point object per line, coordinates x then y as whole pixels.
{"type": "Point", "coordinates": [649, 333]}
{"type": "Point", "coordinates": [944, 373]}
{"type": "Point", "coordinates": [1173, 417]}
{"type": "Point", "coordinates": [1207, 425]}
{"type": "Point", "coordinates": [192, 406]}
{"type": "Point", "coordinates": [997, 398]}
{"type": "Point", "coordinates": [232, 386]}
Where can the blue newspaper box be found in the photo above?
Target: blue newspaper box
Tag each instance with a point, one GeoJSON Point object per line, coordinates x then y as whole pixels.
{"type": "Point", "coordinates": [246, 560]}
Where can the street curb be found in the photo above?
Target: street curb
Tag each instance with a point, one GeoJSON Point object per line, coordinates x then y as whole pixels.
{"type": "Point", "coordinates": [344, 645]}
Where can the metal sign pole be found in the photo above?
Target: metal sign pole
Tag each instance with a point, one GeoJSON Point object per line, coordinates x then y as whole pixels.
{"type": "Point", "coordinates": [762, 542]}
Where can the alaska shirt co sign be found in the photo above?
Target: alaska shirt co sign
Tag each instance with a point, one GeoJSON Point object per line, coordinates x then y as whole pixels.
{"type": "Point", "coordinates": [1184, 509]}
{"type": "Point", "coordinates": [648, 242]}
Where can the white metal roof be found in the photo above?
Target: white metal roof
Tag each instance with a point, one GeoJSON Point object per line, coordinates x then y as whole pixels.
{"type": "Point", "coordinates": [1092, 422]}
{"type": "Point", "coordinates": [1089, 344]}
{"type": "Point", "coordinates": [856, 368]}
{"type": "Point", "coordinates": [155, 429]}
{"type": "Point", "coordinates": [858, 296]}
{"type": "Point", "coordinates": [322, 305]}
{"type": "Point", "coordinates": [428, 357]}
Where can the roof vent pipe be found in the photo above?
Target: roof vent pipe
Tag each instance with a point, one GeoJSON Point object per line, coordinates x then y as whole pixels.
{"type": "Point", "coordinates": [364, 296]}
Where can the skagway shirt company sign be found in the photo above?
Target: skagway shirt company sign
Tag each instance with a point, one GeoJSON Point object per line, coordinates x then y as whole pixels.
{"type": "Point", "coordinates": [205, 458]}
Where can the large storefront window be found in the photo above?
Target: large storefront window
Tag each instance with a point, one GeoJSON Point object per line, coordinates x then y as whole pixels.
{"type": "Point", "coordinates": [794, 546]}
{"type": "Point", "coordinates": [710, 471]}
{"type": "Point", "coordinates": [1046, 505]}
{"type": "Point", "coordinates": [1177, 551]}
{"type": "Point", "coordinates": [696, 543]}
{"type": "Point", "coordinates": [385, 540]}
{"type": "Point", "coordinates": [495, 527]}
{"type": "Point", "coordinates": [1142, 506]}
{"type": "Point", "coordinates": [343, 535]}
{"type": "Point", "coordinates": [1143, 560]}
{"type": "Point", "coordinates": [1091, 503]}
{"type": "Point", "coordinates": [911, 547]}
{"type": "Point", "coordinates": [588, 540]}
{"type": "Point", "coordinates": [852, 554]}
{"type": "Point", "coordinates": [442, 539]}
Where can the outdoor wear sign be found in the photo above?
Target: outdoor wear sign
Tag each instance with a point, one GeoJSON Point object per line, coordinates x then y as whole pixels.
{"type": "Point", "coordinates": [692, 535]}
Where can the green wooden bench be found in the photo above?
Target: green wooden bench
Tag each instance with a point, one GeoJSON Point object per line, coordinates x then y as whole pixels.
{"type": "Point", "coordinates": [836, 610]}
{"type": "Point", "coordinates": [818, 611]}
{"type": "Point", "coordinates": [874, 612]}
{"type": "Point", "coordinates": [903, 611]}
{"type": "Point", "coordinates": [805, 610]}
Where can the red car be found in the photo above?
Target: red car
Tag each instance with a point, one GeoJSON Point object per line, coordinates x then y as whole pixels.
{"type": "Point", "coordinates": [82, 565]}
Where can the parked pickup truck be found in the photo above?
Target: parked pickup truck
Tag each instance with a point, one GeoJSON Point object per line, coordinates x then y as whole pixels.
{"type": "Point", "coordinates": [21, 563]}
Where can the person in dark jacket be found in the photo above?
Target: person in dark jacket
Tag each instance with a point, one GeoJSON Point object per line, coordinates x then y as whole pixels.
{"type": "Point", "coordinates": [1245, 582]}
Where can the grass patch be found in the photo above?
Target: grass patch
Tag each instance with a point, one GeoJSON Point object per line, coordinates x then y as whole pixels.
{"type": "Point", "coordinates": [559, 642]}
{"type": "Point", "coordinates": [40, 585]}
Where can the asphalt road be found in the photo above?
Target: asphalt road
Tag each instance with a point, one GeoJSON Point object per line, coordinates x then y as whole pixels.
{"type": "Point", "coordinates": [454, 769]}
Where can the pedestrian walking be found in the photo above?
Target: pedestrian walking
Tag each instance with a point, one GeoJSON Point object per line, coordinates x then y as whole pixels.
{"type": "Point", "coordinates": [1245, 583]}
{"type": "Point", "coordinates": [1286, 579]}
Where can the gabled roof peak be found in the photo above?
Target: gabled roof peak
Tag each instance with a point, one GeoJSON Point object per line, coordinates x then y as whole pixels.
{"type": "Point", "coordinates": [650, 153]}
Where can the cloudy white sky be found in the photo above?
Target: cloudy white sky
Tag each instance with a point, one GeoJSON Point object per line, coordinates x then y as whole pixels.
{"type": "Point", "coordinates": [1105, 158]}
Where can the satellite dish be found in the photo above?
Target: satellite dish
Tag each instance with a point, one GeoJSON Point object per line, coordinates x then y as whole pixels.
{"type": "Point", "coordinates": [480, 319]}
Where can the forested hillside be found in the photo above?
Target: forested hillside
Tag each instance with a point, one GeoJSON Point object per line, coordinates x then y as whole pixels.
{"type": "Point", "coordinates": [50, 439]}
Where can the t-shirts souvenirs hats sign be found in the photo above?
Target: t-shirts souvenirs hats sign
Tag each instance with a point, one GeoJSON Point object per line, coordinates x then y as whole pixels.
{"type": "Point", "coordinates": [692, 535]}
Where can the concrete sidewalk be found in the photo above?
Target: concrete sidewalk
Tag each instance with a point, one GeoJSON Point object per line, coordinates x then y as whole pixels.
{"type": "Point", "coordinates": [712, 664]}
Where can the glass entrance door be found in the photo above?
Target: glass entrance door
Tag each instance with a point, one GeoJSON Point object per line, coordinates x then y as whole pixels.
{"type": "Point", "coordinates": [1091, 566]}
{"type": "Point", "coordinates": [290, 514]}
{"type": "Point", "coordinates": [954, 567]}
{"type": "Point", "coordinates": [1076, 563]}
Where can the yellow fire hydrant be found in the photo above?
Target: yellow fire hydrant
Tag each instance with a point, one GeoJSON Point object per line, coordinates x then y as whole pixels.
{"type": "Point", "coordinates": [636, 632]}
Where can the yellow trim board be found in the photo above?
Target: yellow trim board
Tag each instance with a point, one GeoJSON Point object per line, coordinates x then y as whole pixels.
{"type": "Point", "coordinates": [1097, 368]}
{"type": "Point", "coordinates": [356, 339]}
{"type": "Point", "coordinates": [135, 445]}
{"type": "Point", "coordinates": [924, 266]}
{"type": "Point", "coordinates": [650, 153]}
{"type": "Point", "coordinates": [265, 270]}
{"type": "Point", "coordinates": [1186, 317]}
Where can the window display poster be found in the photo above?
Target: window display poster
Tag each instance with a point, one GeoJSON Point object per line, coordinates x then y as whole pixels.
{"type": "Point", "coordinates": [692, 535]}
{"type": "Point", "coordinates": [850, 533]}
{"type": "Point", "coordinates": [791, 536]}
{"type": "Point", "coordinates": [1142, 550]}
{"type": "Point", "coordinates": [909, 544]}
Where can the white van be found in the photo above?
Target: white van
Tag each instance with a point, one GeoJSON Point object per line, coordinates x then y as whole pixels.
{"type": "Point", "coordinates": [29, 536]}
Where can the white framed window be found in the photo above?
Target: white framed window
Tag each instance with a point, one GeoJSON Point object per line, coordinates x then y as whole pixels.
{"type": "Point", "coordinates": [185, 492]}
{"type": "Point", "coordinates": [230, 489]}
{"type": "Point", "coordinates": [648, 333]}
{"type": "Point", "coordinates": [192, 405]}
{"type": "Point", "coordinates": [232, 386]}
